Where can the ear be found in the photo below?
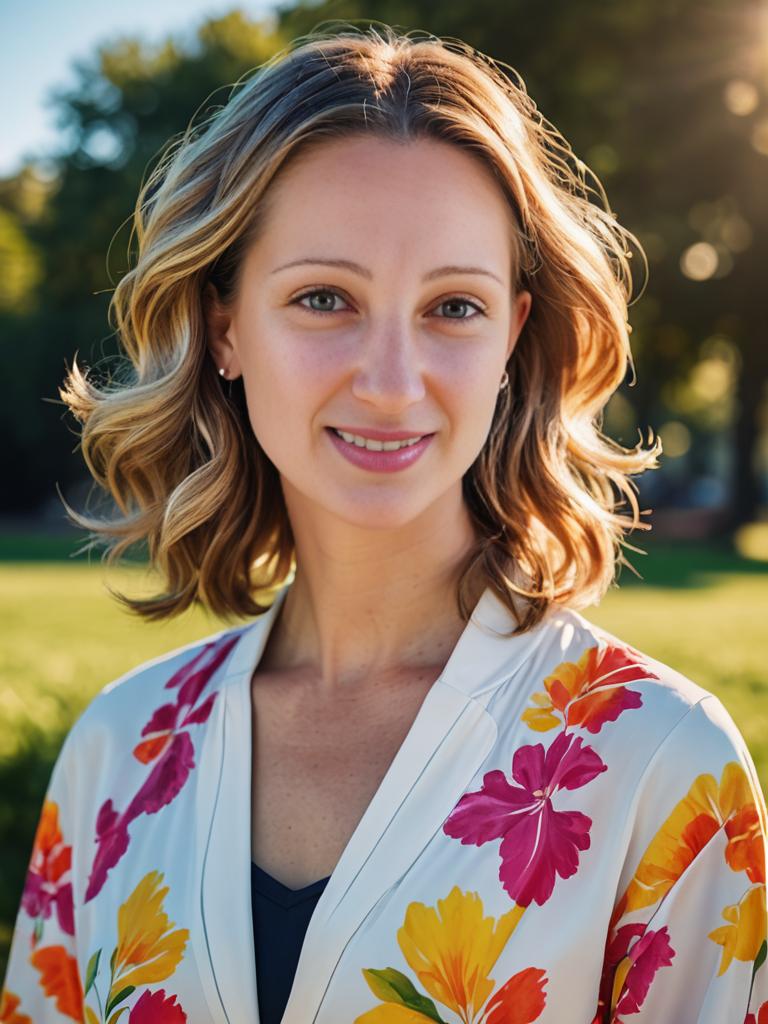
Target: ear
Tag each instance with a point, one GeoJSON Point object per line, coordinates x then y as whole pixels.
{"type": "Point", "coordinates": [219, 333]}
{"type": "Point", "coordinates": [522, 308]}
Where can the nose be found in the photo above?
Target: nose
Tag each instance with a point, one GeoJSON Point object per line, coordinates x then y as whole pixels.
{"type": "Point", "coordinates": [390, 370]}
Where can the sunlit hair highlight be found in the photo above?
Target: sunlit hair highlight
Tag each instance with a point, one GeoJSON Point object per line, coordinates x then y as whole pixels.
{"type": "Point", "coordinates": [176, 452]}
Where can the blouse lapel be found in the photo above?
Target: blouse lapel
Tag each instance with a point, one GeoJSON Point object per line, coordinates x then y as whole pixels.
{"type": "Point", "coordinates": [448, 741]}
{"type": "Point", "coordinates": [224, 947]}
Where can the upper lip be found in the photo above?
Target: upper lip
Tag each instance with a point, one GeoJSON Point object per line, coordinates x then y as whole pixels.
{"type": "Point", "coordinates": [383, 435]}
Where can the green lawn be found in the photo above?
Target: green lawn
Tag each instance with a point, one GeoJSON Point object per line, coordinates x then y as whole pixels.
{"type": "Point", "coordinates": [701, 609]}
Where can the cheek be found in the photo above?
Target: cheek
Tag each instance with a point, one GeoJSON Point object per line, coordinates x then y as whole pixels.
{"type": "Point", "coordinates": [284, 386]}
{"type": "Point", "coordinates": [471, 404]}
{"type": "Point", "coordinates": [470, 389]}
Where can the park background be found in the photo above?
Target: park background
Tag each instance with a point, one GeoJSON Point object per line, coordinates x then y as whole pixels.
{"type": "Point", "coordinates": [666, 100]}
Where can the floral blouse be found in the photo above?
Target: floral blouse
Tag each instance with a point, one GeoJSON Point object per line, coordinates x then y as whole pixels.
{"type": "Point", "coordinates": [571, 833]}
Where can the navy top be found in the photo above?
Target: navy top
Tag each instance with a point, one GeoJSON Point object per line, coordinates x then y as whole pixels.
{"type": "Point", "coordinates": [280, 919]}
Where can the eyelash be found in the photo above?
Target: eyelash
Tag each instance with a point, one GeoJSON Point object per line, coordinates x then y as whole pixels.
{"type": "Point", "coordinates": [333, 291]}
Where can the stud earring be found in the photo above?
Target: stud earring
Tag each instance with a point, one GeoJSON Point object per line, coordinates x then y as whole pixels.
{"type": "Point", "coordinates": [223, 373]}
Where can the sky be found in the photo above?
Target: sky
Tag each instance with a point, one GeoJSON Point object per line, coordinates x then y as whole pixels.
{"type": "Point", "coordinates": [39, 40]}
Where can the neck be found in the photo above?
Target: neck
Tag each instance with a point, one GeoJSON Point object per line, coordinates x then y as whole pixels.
{"type": "Point", "coordinates": [371, 605]}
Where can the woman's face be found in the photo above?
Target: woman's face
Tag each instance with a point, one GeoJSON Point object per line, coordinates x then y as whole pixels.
{"type": "Point", "coordinates": [378, 296]}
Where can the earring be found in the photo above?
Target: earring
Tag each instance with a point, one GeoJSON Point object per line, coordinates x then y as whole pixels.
{"type": "Point", "coordinates": [504, 381]}
{"type": "Point", "coordinates": [223, 373]}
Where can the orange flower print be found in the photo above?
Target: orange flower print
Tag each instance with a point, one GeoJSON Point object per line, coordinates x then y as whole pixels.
{"type": "Point", "coordinates": [148, 951]}
{"type": "Point", "coordinates": [705, 809]}
{"type": "Point", "coordinates": [590, 692]}
{"type": "Point", "coordinates": [452, 951]}
{"type": "Point", "coordinates": [48, 885]}
{"type": "Point", "coordinates": [9, 1003]}
{"type": "Point", "coordinates": [746, 842]}
{"type": "Point", "coordinates": [59, 979]}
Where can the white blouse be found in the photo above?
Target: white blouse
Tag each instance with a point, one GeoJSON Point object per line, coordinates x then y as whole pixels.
{"type": "Point", "coordinates": [571, 833]}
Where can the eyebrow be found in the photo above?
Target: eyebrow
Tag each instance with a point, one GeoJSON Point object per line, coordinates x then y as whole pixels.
{"type": "Point", "coordinates": [356, 268]}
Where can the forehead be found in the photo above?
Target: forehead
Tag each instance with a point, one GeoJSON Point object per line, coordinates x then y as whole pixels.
{"type": "Point", "coordinates": [365, 193]}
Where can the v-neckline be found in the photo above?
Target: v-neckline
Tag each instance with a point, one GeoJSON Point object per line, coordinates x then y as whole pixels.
{"type": "Point", "coordinates": [273, 889]}
{"type": "Point", "coordinates": [448, 740]}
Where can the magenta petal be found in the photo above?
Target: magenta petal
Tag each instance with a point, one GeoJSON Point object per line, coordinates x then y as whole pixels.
{"type": "Point", "coordinates": [193, 685]}
{"type": "Point", "coordinates": [65, 910]}
{"type": "Point", "coordinates": [190, 692]}
{"type": "Point", "coordinates": [571, 765]}
{"type": "Point", "coordinates": [489, 813]}
{"type": "Point", "coordinates": [163, 719]}
{"type": "Point", "coordinates": [106, 818]}
{"type": "Point", "coordinates": [166, 778]}
{"type": "Point", "coordinates": [201, 713]}
{"type": "Point", "coordinates": [648, 955]}
{"type": "Point", "coordinates": [567, 764]}
{"type": "Point", "coordinates": [112, 845]}
{"type": "Point", "coordinates": [161, 786]}
{"type": "Point", "coordinates": [538, 849]}
{"type": "Point", "coordinates": [34, 899]}
{"type": "Point", "coordinates": [618, 945]}
{"type": "Point", "coordinates": [528, 765]}
{"type": "Point", "coordinates": [157, 1008]}
{"type": "Point", "coordinates": [182, 673]}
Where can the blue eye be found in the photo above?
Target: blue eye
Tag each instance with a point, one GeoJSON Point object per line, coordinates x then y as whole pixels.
{"type": "Point", "coordinates": [458, 300]}
{"type": "Point", "coordinates": [332, 293]}
{"type": "Point", "coordinates": [317, 291]}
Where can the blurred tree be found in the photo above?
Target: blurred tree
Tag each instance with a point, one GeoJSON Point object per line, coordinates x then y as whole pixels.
{"type": "Point", "coordinates": [127, 103]}
{"type": "Point", "coordinates": [666, 101]}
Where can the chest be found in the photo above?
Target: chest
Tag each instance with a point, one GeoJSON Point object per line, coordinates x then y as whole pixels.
{"type": "Point", "coordinates": [317, 762]}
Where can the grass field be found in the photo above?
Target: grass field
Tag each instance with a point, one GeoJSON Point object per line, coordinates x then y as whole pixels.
{"type": "Point", "coordinates": [701, 609]}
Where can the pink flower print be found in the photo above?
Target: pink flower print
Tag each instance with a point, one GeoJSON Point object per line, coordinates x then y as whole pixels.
{"type": "Point", "coordinates": [48, 884]}
{"type": "Point", "coordinates": [538, 843]}
{"type": "Point", "coordinates": [646, 957]}
{"type": "Point", "coordinates": [157, 1008]}
{"type": "Point", "coordinates": [628, 972]}
{"type": "Point", "coordinates": [170, 746]}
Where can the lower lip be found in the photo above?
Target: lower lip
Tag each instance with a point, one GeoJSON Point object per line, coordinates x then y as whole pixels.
{"type": "Point", "coordinates": [384, 462]}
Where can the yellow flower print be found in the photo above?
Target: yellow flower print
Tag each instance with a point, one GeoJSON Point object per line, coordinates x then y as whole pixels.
{"type": "Point", "coordinates": [541, 718]}
{"type": "Point", "coordinates": [147, 950]}
{"type": "Point", "coordinates": [744, 935]}
{"type": "Point", "coordinates": [452, 951]}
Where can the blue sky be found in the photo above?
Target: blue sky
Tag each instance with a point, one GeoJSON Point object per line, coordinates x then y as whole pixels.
{"type": "Point", "coordinates": [39, 39]}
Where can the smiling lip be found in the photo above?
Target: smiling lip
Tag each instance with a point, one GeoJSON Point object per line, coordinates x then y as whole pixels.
{"type": "Point", "coordinates": [382, 435]}
{"type": "Point", "coordinates": [380, 460]}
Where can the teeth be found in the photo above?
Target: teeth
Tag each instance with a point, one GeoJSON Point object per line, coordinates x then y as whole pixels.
{"type": "Point", "coordinates": [376, 446]}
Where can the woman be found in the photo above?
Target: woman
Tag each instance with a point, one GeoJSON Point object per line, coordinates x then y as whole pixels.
{"type": "Point", "coordinates": [466, 801]}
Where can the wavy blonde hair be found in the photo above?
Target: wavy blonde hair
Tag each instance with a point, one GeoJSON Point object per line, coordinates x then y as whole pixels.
{"type": "Point", "coordinates": [176, 452]}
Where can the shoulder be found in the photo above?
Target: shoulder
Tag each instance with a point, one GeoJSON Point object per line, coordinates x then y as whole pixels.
{"type": "Point", "coordinates": [603, 662]}
{"type": "Point", "coordinates": [601, 679]}
{"type": "Point", "coordinates": [151, 699]}
{"type": "Point", "coordinates": [583, 679]}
